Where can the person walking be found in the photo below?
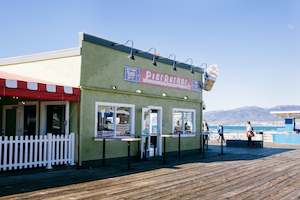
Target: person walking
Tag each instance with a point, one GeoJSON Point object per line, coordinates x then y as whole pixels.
{"type": "Point", "coordinates": [249, 133]}
{"type": "Point", "coordinates": [221, 132]}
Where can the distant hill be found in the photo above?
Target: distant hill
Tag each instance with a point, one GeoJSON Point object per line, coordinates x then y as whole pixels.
{"type": "Point", "coordinates": [254, 114]}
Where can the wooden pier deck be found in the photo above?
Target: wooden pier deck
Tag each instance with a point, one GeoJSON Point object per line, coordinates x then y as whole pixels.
{"type": "Point", "coordinates": [270, 173]}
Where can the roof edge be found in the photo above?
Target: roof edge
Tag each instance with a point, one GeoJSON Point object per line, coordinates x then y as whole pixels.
{"type": "Point", "coordinates": [107, 43]}
{"type": "Point", "coordinates": [49, 55]}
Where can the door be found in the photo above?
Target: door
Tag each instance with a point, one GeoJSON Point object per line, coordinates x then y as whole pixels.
{"type": "Point", "coordinates": [29, 120]}
{"type": "Point", "coordinates": [151, 132]}
{"type": "Point", "coordinates": [10, 122]}
{"type": "Point", "coordinates": [56, 119]}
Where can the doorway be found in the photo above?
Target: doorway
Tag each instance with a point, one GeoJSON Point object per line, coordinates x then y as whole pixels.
{"type": "Point", "coordinates": [56, 119]}
{"type": "Point", "coordinates": [20, 119]}
{"type": "Point", "coordinates": [30, 120]}
{"type": "Point", "coordinates": [10, 124]}
{"type": "Point", "coordinates": [151, 132]}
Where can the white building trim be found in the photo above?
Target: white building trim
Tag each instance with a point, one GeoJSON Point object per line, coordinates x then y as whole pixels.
{"type": "Point", "coordinates": [63, 53]}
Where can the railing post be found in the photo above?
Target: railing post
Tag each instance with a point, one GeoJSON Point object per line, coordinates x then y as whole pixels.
{"type": "Point", "coordinates": [179, 145]}
{"type": "Point", "coordinates": [49, 149]}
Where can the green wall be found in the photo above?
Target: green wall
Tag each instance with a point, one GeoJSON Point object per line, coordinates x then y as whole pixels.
{"type": "Point", "coordinates": [102, 68]}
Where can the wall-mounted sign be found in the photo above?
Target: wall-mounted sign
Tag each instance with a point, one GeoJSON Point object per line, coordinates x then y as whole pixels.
{"type": "Point", "coordinates": [152, 77]}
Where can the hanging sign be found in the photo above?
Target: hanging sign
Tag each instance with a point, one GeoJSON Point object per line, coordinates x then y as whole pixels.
{"type": "Point", "coordinates": [152, 77]}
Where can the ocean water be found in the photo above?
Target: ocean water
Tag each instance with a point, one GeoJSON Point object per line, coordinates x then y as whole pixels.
{"type": "Point", "coordinates": [242, 129]}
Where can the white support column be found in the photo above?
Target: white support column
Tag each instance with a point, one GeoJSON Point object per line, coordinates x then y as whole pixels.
{"type": "Point", "coordinates": [72, 148]}
{"type": "Point", "coordinates": [67, 118]}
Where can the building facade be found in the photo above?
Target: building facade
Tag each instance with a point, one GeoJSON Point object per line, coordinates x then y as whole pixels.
{"type": "Point", "coordinates": [124, 92]}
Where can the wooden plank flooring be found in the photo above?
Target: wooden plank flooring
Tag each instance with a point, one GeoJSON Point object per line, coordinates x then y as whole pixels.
{"type": "Point", "coordinates": [275, 176]}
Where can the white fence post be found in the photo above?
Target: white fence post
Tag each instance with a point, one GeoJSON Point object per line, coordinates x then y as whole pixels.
{"type": "Point", "coordinates": [49, 149]}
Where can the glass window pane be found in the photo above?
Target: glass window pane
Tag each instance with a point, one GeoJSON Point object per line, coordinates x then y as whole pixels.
{"type": "Point", "coordinates": [183, 121]}
{"type": "Point", "coordinates": [177, 121]}
{"type": "Point", "coordinates": [188, 121]}
{"type": "Point", "coordinates": [105, 125]}
{"type": "Point", "coordinates": [123, 121]}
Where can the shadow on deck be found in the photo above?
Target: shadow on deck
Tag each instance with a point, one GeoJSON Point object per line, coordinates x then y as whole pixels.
{"type": "Point", "coordinates": [28, 181]}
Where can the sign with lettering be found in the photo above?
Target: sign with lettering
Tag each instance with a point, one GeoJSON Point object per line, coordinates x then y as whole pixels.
{"type": "Point", "coordinates": [152, 77]}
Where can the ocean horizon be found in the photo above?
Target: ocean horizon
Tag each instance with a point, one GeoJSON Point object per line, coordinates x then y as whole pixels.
{"type": "Point", "coordinates": [242, 129]}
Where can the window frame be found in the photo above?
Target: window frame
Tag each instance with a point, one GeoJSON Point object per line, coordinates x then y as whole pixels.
{"type": "Point", "coordinates": [193, 120]}
{"type": "Point", "coordinates": [116, 106]}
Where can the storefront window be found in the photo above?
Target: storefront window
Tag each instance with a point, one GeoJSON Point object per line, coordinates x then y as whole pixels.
{"type": "Point", "coordinates": [123, 121]}
{"type": "Point", "coordinates": [183, 121]}
{"type": "Point", "coordinates": [114, 120]}
{"type": "Point", "coordinates": [106, 125]}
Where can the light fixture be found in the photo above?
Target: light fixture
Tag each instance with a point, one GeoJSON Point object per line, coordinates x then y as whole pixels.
{"type": "Point", "coordinates": [174, 61]}
{"type": "Point", "coordinates": [138, 91]}
{"type": "Point", "coordinates": [185, 97]}
{"type": "Point", "coordinates": [164, 94]}
{"type": "Point", "coordinates": [114, 87]}
{"type": "Point", "coordinates": [154, 55]}
{"type": "Point", "coordinates": [23, 102]}
{"type": "Point", "coordinates": [131, 56]}
{"type": "Point", "coordinates": [192, 67]}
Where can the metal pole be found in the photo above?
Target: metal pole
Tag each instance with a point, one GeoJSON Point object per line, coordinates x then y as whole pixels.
{"type": "Point", "coordinates": [222, 152]}
{"type": "Point", "coordinates": [179, 147]}
{"type": "Point", "coordinates": [202, 146]}
{"type": "Point", "coordinates": [128, 157]}
{"type": "Point", "coordinates": [103, 152]}
{"type": "Point", "coordinates": [164, 158]}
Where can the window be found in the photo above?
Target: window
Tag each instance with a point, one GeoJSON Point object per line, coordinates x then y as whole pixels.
{"type": "Point", "coordinates": [184, 121]}
{"type": "Point", "coordinates": [114, 119]}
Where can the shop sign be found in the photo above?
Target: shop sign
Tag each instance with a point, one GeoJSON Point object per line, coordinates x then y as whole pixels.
{"type": "Point", "coordinates": [152, 77]}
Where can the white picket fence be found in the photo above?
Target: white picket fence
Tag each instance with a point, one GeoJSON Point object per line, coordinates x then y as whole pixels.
{"type": "Point", "coordinates": [21, 152]}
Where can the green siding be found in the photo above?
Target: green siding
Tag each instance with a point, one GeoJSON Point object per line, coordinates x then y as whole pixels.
{"type": "Point", "coordinates": [102, 68]}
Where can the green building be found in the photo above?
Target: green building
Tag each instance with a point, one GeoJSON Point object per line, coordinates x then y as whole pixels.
{"type": "Point", "coordinates": [117, 92]}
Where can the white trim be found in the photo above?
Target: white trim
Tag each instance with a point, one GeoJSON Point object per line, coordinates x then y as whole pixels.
{"type": "Point", "coordinates": [115, 105]}
{"type": "Point", "coordinates": [68, 90]}
{"type": "Point", "coordinates": [50, 88]}
{"type": "Point", "coordinates": [63, 53]}
{"type": "Point", "coordinates": [11, 83]}
{"type": "Point", "coordinates": [159, 138]}
{"type": "Point", "coordinates": [194, 120]}
{"type": "Point", "coordinates": [32, 86]}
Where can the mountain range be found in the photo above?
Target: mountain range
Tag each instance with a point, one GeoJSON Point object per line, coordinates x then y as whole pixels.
{"type": "Point", "coordinates": [256, 115]}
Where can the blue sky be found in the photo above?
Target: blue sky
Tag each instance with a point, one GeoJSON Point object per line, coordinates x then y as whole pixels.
{"type": "Point", "coordinates": [256, 43]}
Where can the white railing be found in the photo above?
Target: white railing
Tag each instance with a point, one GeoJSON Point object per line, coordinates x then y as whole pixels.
{"type": "Point", "coordinates": [21, 152]}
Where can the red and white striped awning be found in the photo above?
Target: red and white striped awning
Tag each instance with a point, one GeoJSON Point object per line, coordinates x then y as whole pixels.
{"type": "Point", "coordinates": [24, 87]}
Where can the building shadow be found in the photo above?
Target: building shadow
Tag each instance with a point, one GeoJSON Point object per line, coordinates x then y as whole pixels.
{"type": "Point", "coordinates": [17, 182]}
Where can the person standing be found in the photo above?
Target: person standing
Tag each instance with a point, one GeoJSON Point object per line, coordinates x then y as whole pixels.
{"type": "Point", "coordinates": [205, 126]}
{"type": "Point", "coordinates": [205, 134]}
{"type": "Point", "coordinates": [221, 132]}
{"type": "Point", "coordinates": [249, 133]}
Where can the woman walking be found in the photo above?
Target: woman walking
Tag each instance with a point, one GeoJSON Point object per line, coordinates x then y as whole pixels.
{"type": "Point", "coordinates": [249, 133]}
